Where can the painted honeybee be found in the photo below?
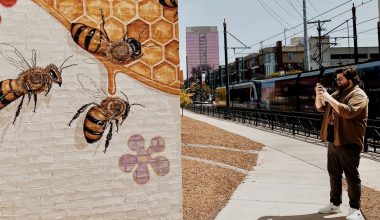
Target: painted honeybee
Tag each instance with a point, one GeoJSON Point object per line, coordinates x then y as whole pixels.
{"type": "Point", "coordinates": [110, 110]}
{"type": "Point", "coordinates": [170, 4]}
{"type": "Point", "coordinates": [97, 41]}
{"type": "Point", "coordinates": [31, 81]}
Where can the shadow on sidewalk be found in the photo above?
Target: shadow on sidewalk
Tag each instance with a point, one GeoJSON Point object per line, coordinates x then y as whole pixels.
{"type": "Point", "coordinates": [314, 216]}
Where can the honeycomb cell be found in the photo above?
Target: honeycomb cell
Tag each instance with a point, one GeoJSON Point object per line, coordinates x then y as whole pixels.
{"type": "Point", "coordinates": [165, 73]}
{"type": "Point", "coordinates": [87, 21]}
{"type": "Point", "coordinates": [176, 31]}
{"type": "Point", "coordinates": [141, 69]}
{"type": "Point", "coordinates": [125, 10]}
{"type": "Point", "coordinates": [50, 2]}
{"type": "Point", "coordinates": [162, 31]}
{"type": "Point", "coordinates": [171, 14]}
{"type": "Point", "coordinates": [152, 53]}
{"type": "Point", "coordinates": [115, 29]}
{"type": "Point", "coordinates": [71, 9]}
{"type": "Point", "coordinates": [171, 52]}
{"type": "Point", "coordinates": [149, 10]}
{"type": "Point", "coordinates": [93, 9]}
{"type": "Point", "coordinates": [138, 30]}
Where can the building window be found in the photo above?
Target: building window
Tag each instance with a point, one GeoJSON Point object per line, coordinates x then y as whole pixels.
{"type": "Point", "coordinates": [290, 56]}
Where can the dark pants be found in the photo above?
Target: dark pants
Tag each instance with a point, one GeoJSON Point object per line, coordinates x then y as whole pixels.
{"type": "Point", "coordinates": [344, 159]}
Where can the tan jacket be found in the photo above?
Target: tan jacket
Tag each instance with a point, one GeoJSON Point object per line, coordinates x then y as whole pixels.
{"type": "Point", "coordinates": [351, 122]}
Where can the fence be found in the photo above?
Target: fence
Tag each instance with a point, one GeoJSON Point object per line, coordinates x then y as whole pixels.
{"type": "Point", "coordinates": [295, 123]}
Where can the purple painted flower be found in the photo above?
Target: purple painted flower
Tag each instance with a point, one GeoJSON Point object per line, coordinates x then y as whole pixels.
{"type": "Point", "coordinates": [143, 157]}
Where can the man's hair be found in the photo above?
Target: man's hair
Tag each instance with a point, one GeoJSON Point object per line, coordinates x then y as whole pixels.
{"type": "Point", "coordinates": [350, 74]}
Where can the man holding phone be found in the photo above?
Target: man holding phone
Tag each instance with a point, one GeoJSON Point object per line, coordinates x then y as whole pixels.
{"type": "Point", "coordinates": [343, 127]}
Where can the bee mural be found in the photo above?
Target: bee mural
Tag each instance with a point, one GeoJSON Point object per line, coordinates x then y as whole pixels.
{"type": "Point", "coordinates": [31, 81]}
{"type": "Point", "coordinates": [97, 41]}
{"type": "Point", "coordinates": [110, 110]}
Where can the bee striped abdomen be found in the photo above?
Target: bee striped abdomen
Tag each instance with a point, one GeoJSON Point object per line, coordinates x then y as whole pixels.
{"type": "Point", "coordinates": [169, 3]}
{"type": "Point", "coordinates": [87, 37]}
{"type": "Point", "coordinates": [7, 88]}
{"type": "Point", "coordinates": [94, 125]}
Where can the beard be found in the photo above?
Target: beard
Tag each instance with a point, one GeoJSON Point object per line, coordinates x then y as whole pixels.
{"type": "Point", "coordinates": [343, 86]}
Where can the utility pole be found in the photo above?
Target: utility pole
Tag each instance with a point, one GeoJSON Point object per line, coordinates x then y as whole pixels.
{"type": "Point", "coordinates": [187, 73]}
{"type": "Point", "coordinates": [378, 27]}
{"type": "Point", "coordinates": [226, 65]}
{"type": "Point", "coordinates": [319, 28]}
{"type": "Point", "coordinates": [305, 40]}
{"type": "Point", "coordinates": [355, 34]}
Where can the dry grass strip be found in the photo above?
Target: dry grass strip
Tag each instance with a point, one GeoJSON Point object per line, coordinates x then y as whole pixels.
{"type": "Point", "coordinates": [370, 202]}
{"type": "Point", "coordinates": [206, 189]}
{"type": "Point", "coordinates": [197, 132]}
{"type": "Point", "coordinates": [237, 159]}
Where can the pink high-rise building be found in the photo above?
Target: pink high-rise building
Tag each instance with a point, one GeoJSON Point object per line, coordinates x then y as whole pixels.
{"type": "Point", "coordinates": [202, 49]}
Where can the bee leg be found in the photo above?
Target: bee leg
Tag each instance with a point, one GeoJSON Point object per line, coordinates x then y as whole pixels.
{"type": "Point", "coordinates": [3, 96]}
{"type": "Point", "coordinates": [29, 97]}
{"type": "Point", "coordinates": [81, 110]}
{"type": "Point", "coordinates": [35, 102]}
{"type": "Point", "coordinates": [18, 109]}
{"type": "Point", "coordinates": [48, 90]}
{"type": "Point", "coordinates": [102, 25]}
{"type": "Point", "coordinates": [109, 137]}
{"type": "Point", "coordinates": [117, 126]}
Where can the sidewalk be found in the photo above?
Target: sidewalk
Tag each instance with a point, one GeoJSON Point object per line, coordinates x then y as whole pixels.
{"type": "Point", "coordinates": [290, 180]}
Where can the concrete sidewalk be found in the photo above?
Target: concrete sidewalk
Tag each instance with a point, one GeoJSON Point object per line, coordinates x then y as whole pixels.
{"type": "Point", "coordinates": [290, 180]}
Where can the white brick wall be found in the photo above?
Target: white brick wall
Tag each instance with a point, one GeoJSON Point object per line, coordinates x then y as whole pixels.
{"type": "Point", "coordinates": [47, 170]}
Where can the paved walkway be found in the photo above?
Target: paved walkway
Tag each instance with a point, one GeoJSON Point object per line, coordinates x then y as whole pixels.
{"type": "Point", "coordinates": [289, 182]}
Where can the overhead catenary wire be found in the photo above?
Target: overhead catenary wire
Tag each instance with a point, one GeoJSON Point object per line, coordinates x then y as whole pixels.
{"type": "Point", "coordinates": [285, 9]}
{"type": "Point", "coordinates": [296, 26]}
{"type": "Point", "coordinates": [295, 9]}
{"type": "Point", "coordinates": [272, 14]}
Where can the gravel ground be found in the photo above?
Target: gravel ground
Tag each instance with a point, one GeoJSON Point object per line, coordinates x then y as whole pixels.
{"type": "Point", "coordinates": [207, 188]}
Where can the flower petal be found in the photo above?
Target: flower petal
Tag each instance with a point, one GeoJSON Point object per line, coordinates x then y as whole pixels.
{"type": "Point", "coordinates": [127, 162]}
{"type": "Point", "coordinates": [157, 144]}
{"type": "Point", "coordinates": [160, 165]}
{"type": "Point", "coordinates": [141, 174]}
{"type": "Point", "coordinates": [136, 142]}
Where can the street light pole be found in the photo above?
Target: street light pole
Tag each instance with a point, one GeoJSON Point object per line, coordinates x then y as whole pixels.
{"type": "Point", "coordinates": [226, 65]}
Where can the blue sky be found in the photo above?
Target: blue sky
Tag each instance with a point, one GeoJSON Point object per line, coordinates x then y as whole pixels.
{"type": "Point", "coordinates": [253, 21]}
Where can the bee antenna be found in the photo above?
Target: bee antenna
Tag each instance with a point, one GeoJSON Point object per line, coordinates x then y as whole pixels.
{"type": "Point", "coordinates": [125, 96]}
{"type": "Point", "coordinates": [137, 104]}
{"type": "Point", "coordinates": [69, 66]}
{"type": "Point", "coordinates": [65, 60]}
{"type": "Point", "coordinates": [141, 33]}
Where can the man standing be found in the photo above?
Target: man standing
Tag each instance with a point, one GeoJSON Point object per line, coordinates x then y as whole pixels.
{"type": "Point", "coordinates": [343, 127]}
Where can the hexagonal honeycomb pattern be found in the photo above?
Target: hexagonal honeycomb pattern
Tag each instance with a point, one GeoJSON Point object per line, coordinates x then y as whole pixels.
{"type": "Point", "coordinates": [93, 11]}
{"type": "Point", "coordinates": [125, 10]}
{"type": "Point", "coordinates": [152, 24]}
{"type": "Point", "coordinates": [152, 53]}
{"type": "Point", "coordinates": [165, 73]}
{"type": "Point", "coordinates": [71, 9]}
{"type": "Point", "coordinates": [162, 31]}
{"type": "Point", "coordinates": [149, 10]}
{"type": "Point", "coordinates": [171, 52]}
{"type": "Point", "coordinates": [139, 30]}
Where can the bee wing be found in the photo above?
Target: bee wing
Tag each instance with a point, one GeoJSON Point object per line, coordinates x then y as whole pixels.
{"type": "Point", "coordinates": [92, 60]}
{"type": "Point", "coordinates": [14, 56]}
{"type": "Point", "coordinates": [90, 87]}
{"type": "Point", "coordinates": [34, 58]}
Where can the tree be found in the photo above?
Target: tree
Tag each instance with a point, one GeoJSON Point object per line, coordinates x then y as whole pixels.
{"type": "Point", "coordinates": [185, 98]}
